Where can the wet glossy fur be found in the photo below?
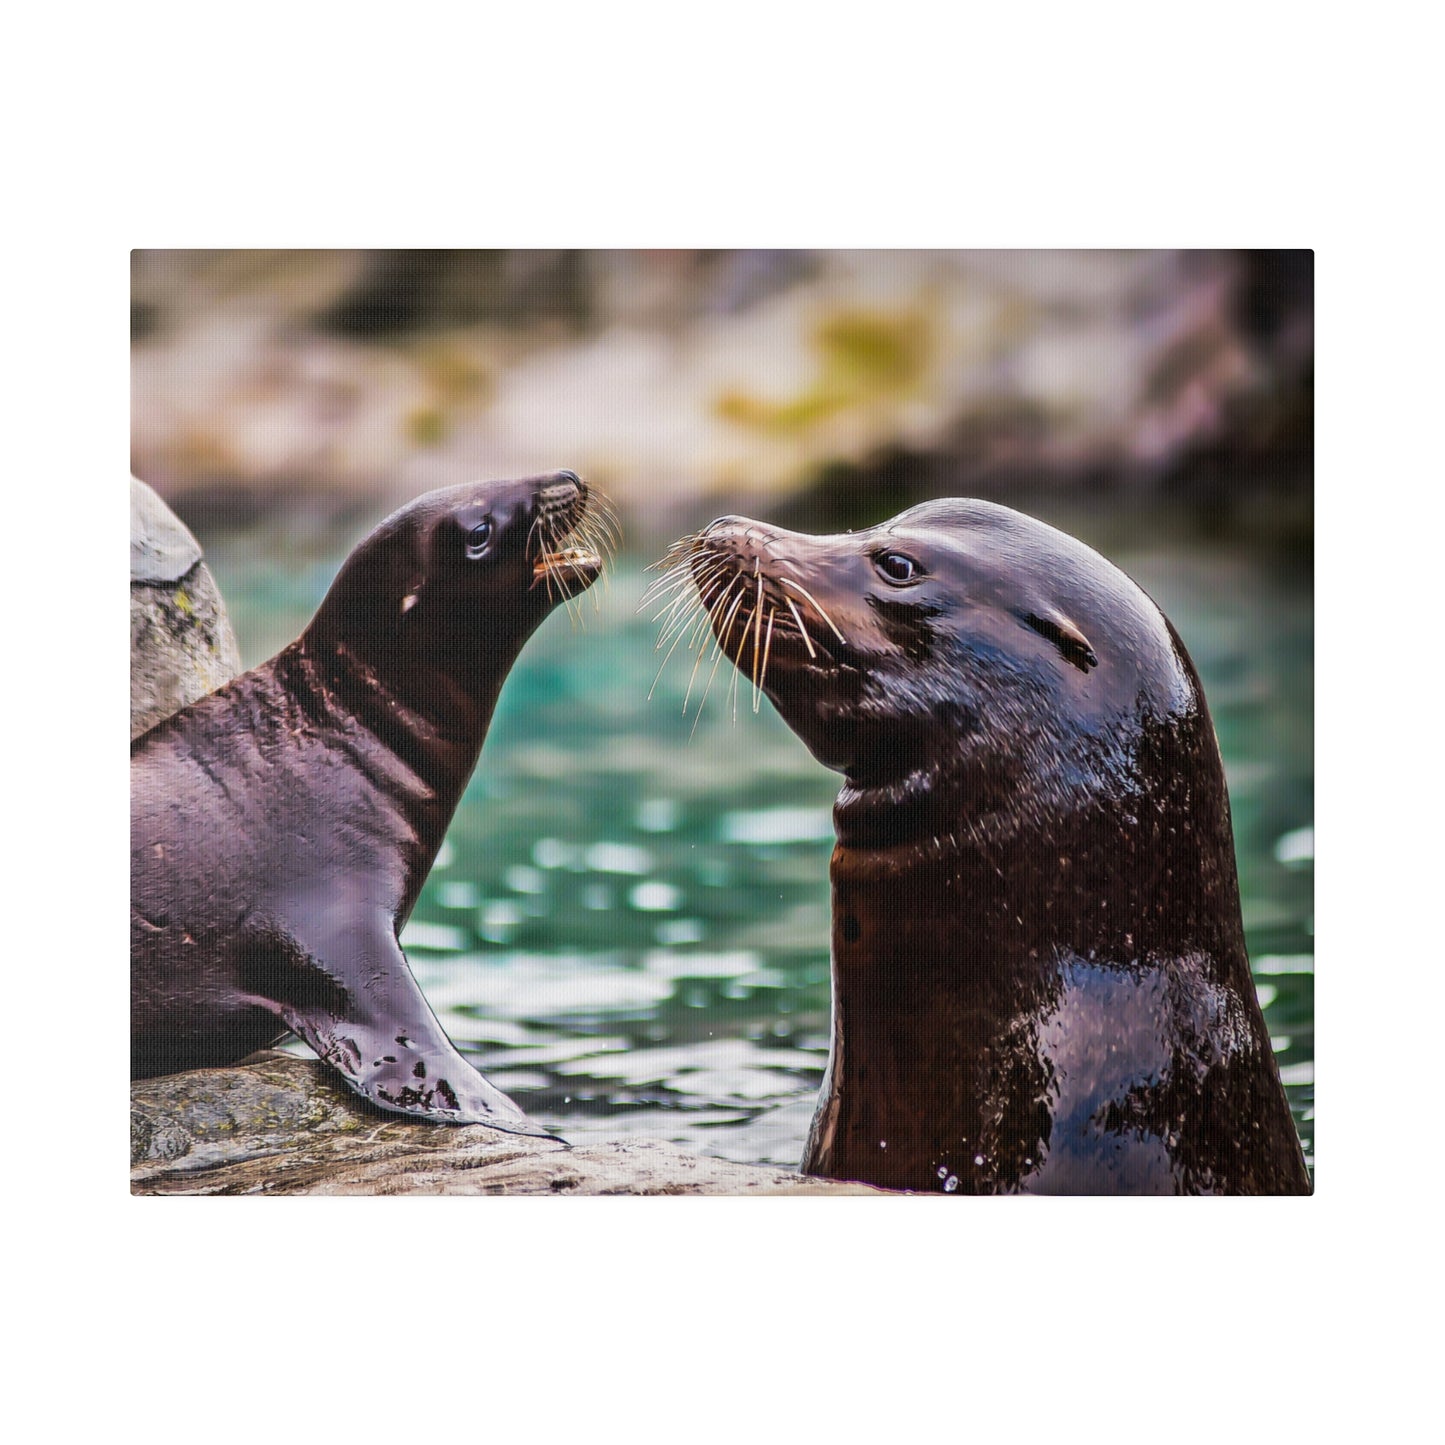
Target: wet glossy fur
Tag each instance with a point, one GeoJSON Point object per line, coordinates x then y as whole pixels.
{"type": "Point", "coordinates": [282, 827]}
{"type": "Point", "coordinates": [1040, 981]}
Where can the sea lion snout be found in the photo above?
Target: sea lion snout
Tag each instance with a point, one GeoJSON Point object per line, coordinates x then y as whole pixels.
{"type": "Point", "coordinates": [569, 534]}
{"type": "Point", "coordinates": [565, 493]}
{"type": "Point", "coordinates": [750, 539]}
{"type": "Point", "coordinates": [776, 580]}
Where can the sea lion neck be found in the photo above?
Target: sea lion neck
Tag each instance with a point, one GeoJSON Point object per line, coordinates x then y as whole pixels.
{"type": "Point", "coordinates": [956, 785]}
{"type": "Point", "coordinates": [964, 931]}
{"type": "Point", "coordinates": [415, 644]}
{"type": "Point", "coordinates": [427, 717]}
{"type": "Point", "coordinates": [445, 669]}
{"type": "Point", "coordinates": [1082, 840]}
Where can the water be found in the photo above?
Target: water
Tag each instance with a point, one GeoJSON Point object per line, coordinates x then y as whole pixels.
{"type": "Point", "coordinates": [627, 930]}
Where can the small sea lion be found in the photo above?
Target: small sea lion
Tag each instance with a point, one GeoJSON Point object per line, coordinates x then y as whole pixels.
{"type": "Point", "coordinates": [1040, 982]}
{"type": "Point", "coordinates": [282, 827]}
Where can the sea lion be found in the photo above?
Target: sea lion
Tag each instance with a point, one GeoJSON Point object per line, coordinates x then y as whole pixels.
{"type": "Point", "coordinates": [282, 827]}
{"type": "Point", "coordinates": [1040, 982]}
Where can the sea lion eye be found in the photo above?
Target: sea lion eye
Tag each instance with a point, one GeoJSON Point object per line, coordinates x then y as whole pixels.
{"type": "Point", "coordinates": [478, 538]}
{"type": "Point", "coordinates": [897, 567]}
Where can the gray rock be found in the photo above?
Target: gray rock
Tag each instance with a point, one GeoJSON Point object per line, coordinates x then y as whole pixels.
{"type": "Point", "coordinates": [181, 642]}
{"type": "Point", "coordinates": [162, 548]}
{"type": "Point", "coordinates": [283, 1125]}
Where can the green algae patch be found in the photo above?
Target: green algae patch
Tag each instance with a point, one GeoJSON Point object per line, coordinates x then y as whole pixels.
{"type": "Point", "coordinates": [863, 357]}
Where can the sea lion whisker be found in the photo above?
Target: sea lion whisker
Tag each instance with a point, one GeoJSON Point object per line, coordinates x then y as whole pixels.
{"type": "Point", "coordinates": [699, 630]}
{"type": "Point", "coordinates": [591, 534]}
{"type": "Point", "coordinates": [708, 617]}
{"type": "Point", "coordinates": [557, 548]}
{"type": "Point", "coordinates": [681, 590]}
{"type": "Point", "coordinates": [681, 631]}
{"type": "Point", "coordinates": [679, 622]}
{"type": "Point", "coordinates": [611, 544]}
{"type": "Point", "coordinates": [732, 697]}
{"type": "Point", "coordinates": [692, 677]}
{"type": "Point", "coordinates": [568, 598]}
{"type": "Point", "coordinates": [675, 555]}
{"type": "Point", "coordinates": [719, 605]}
{"type": "Point", "coordinates": [767, 652]}
{"type": "Point", "coordinates": [702, 701]}
{"type": "Point", "coordinates": [737, 661]}
{"type": "Point", "coordinates": [677, 576]}
{"type": "Point", "coordinates": [798, 618]}
{"type": "Point", "coordinates": [669, 610]}
{"type": "Point", "coordinates": [665, 632]}
{"type": "Point", "coordinates": [710, 574]}
{"type": "Point", "coordinates": [529, 550]}
{"type": "Point", "coordinates": [589, 537]}
{"type": "Point", "coordinates": [679, 551]}
{"type": "Point", "coordinates": [554, 570]}
{"type": "Point", "coordinates": [820, 611]}
{"type": "Point", "coordinates": [729, 620]}
{"type": "Point", "coordinates": [718, 655]}
{"type": "Point", "coordinates": [658, 594]}
{"type": "Point", "coordinates": [604, 507]}
{"type": "Point", "coordinates": [598, 518]}
{"type": "Point", "coordinates": [757, 636]}
{"type": "Point", "coordinates": [569, 564]}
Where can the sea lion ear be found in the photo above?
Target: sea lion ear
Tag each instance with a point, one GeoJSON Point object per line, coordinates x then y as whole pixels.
{"type": "Point", "coordinates": [1066, 635]}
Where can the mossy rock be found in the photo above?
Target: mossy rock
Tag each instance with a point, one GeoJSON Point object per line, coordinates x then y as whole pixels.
{"type": "Point", "coordinates": [181, 642]}
{"type": "Point", "coordinates": [282, 1125]}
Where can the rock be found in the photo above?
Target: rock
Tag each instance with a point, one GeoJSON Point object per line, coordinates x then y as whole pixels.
{"type": "Point", "coordinates": [181, 642]}
{"type": "Point", "coordinates": [283, 1125]}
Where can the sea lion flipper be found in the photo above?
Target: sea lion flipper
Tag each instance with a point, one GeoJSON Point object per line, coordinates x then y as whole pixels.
{"type": "Point", "coordinates": [387, 1043]}
{"type": "Point", "coordinates": [412, 1069]}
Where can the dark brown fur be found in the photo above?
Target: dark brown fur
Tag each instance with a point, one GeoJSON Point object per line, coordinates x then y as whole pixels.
{"type": "Point", "coordinates": [282, 827]}
{"type": "Point", "coordinates": [1040, 982]}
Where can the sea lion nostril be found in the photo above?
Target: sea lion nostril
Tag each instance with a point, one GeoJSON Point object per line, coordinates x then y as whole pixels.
{"type": "Point", "coordinates": [565, 490]}
{"type": "Point", "coordinates": [562, 494]}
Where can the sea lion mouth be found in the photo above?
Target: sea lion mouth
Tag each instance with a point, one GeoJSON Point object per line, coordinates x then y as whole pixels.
{"type": "Point", "coordinates": [572, 565]}
{"type": "Point", "coordinates": [573, 534]}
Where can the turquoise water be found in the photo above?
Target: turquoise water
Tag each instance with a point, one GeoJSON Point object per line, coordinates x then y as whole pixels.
{"type": "Point", "coordinates": [627, 929]}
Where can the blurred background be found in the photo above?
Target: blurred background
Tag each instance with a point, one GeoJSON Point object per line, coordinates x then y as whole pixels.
{"type": "Point", "coordinates": [627, 929]}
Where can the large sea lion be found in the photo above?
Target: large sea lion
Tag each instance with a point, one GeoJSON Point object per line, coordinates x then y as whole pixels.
{"type": "Point", "coordinates": [1040, 982]}
{"type": "Point", "coordinates": [281, 828]}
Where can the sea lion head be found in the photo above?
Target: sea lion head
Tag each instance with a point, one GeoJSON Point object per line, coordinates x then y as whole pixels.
{"type": "Point", "coordinates": [465, 571]}
{"type": "Point", "coordinates": [959, 637]}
